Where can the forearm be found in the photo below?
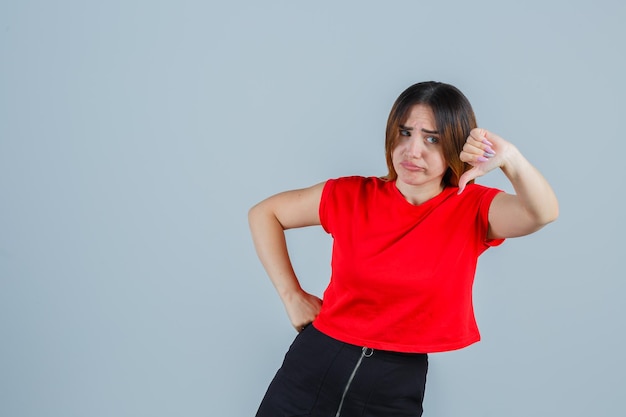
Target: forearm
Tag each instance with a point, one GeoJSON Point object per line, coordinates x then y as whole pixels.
{"type": "Point", "coordinates": [268, 221]}
{"type": "Point", "coordinates": [533, 191]}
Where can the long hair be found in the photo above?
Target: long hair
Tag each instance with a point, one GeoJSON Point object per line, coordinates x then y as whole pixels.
{"type": "Point", "coordinates": [454, 117]}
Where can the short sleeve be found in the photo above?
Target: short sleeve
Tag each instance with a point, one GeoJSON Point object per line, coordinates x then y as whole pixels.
{"type": "Point", "coordinates": [325, 217]}
{"type": "Point", "coordinates": [483, 214]}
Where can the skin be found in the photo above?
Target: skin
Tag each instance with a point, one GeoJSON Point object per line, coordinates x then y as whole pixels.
{"type": "Point", "coordinates": [419, 162]}
{"type": "Point", "coordinates": [418, 157]}
{"type": "Point", "coordinates": [534, 203]}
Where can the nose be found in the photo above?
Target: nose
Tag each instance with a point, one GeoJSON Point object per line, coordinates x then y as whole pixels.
{"type": "Point", "coordinates": [415, 147]}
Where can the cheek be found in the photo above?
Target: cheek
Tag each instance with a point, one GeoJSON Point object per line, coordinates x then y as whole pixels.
{"type": "Point", "coordinates": [396, 154]}
{"type": "Point", "coordinates": [441, 161]}
{"type": "Point", "coordinates": [399, 149]}
{"type": "Point", "coordinates": [437, 155]}
{"type": "Point", "coordinates": [436, 161]}
{"type": "Point", "coordinates": [444, 164]}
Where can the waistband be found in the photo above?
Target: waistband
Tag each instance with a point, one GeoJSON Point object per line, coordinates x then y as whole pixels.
{"type": "Point", "coordinates": [379, 353]}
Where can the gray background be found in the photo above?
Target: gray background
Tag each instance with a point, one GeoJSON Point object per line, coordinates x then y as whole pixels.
{"type": "Point", "coordinates": [135, 135]}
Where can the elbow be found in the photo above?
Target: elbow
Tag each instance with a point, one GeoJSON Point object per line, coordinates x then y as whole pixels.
{"type": "Point", "coordinates": [251, 211]}
{"type": "Point", "coordinates": [554, 212]}
{"type": "Point", "coordinates": [254, 213]}
{"type": "Point", "coordinates": [262, 214]}
{"type": "Point", "coordinates": [548, 216]}
{"type": "Point", "coordinates": [555, 215]}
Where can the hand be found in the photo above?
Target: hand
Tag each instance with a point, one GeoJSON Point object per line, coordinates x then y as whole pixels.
{"type": "Point", "coordinates": [302, 309]}
{"type": "Point", "coordinates": [484, 151]}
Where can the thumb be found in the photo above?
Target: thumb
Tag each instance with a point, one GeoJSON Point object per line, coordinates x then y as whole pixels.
{"type": "Point", "coordinates": [467, 177]}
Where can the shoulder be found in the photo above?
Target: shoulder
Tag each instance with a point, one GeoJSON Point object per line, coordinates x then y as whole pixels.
{"type": "Point", "coordinates": [479, 192]}
{"type": "Point", "coordinates": [476, 201]}
{"type": "Point", "coordinates": [343, 197]}
{"type": "Point", "coordinates": [356, 179]}
{"type": "Point", "coordinates": [353, 187]}
{"type": "Point", "coordinates": [356, 182]}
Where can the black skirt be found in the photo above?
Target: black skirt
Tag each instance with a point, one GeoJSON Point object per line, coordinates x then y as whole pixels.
{"type": "Point", "coordinates": [323, 377]}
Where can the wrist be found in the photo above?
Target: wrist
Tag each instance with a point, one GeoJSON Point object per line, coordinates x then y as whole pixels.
{"type": "Point", "coordinates": [288, 293]}
{"type": "Point", "coordinates": [512, 161]}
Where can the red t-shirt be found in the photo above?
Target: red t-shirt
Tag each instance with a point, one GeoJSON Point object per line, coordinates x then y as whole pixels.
{"type": "Point", "coordinates": [402, 275]}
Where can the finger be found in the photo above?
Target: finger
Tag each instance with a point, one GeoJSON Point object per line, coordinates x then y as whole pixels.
{"type": "Point", "coordinates": [466, 177]}
{"type": "Point", "coordinates": [479, 144]}
{"type": "Point", "coordinates": [479, 134]}
{"type": "Point", "coordinates": [474, 158]}
{"type": "Point", "coordinates": [490, 137]}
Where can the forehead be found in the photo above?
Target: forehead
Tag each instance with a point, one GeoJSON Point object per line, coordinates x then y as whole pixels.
{"type": "Point", "coordinates": [421, 115]}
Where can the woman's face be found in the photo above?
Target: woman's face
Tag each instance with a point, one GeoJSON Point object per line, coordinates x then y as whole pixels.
{"type": "Point", "coordinates": [418, 156]}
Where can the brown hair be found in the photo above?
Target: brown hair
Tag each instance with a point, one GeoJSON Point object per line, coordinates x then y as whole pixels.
{"type": "Point", "coordinates": [454, 118]}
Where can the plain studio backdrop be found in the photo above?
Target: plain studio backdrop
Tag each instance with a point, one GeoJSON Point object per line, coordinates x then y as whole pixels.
{"type": "Point", "coordinates": [135, 136]}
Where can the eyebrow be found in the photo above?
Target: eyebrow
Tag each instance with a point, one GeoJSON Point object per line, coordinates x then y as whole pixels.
{"type": "Point", "coordinates": [431, 132]}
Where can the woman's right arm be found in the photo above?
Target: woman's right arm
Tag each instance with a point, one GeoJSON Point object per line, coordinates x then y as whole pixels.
{"type": "Point", "coordinates": [268, 221]}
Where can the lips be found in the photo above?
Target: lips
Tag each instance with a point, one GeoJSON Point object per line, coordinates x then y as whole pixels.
{"type": "Point", "coordinates": [409, 166]}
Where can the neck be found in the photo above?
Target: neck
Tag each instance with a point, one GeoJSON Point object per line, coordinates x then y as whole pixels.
{"type": "Point", "coordinates": [417, 195]}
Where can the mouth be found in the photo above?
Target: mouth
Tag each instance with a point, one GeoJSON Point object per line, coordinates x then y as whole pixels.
{"type": "Point", "coordinates": [409, 166]}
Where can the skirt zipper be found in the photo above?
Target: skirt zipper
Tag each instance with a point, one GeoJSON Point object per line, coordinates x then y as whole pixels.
{"type": "Point", "coordinates": [365, 353]}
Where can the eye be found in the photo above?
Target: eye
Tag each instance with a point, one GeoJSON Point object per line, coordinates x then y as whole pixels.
{"type": "Point", "coordinates": [432, 139]}
{"type": "Point", "coordinates": [404, 132]}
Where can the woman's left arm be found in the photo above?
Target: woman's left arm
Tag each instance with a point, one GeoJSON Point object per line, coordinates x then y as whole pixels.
{"type": "Point", "coordinates": [534, 203]}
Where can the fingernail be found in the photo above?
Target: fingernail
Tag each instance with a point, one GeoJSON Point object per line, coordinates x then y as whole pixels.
{"type": "Point", "coordinates": [489, 150]}
{"type": "Point", "coordinates": [489, 155]}
{"type": "Point", "coordinates": [481, 159]}
{"type": "Point", "coordinates": [486, 142]}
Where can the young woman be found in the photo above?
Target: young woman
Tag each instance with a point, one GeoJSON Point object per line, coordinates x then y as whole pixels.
{"type": "Point", "coordinates": [405, 248]}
